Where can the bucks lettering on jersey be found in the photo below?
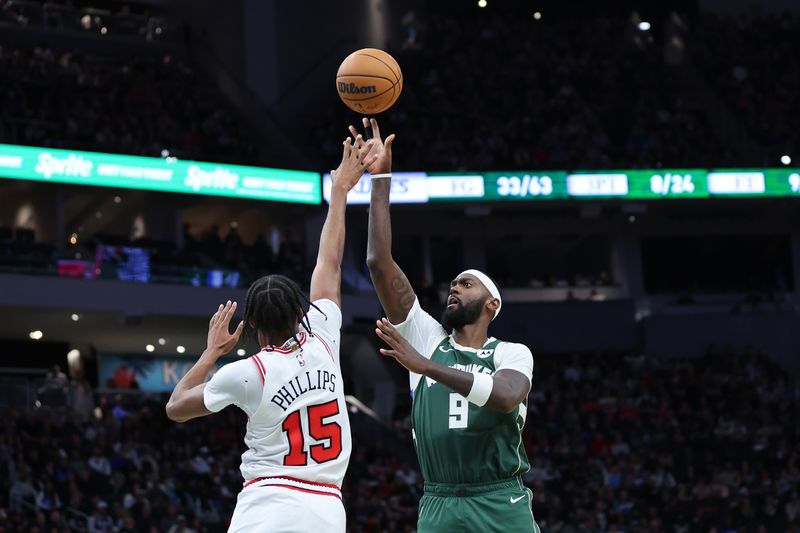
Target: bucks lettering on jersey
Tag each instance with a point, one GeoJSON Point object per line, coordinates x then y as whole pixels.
{"type": "Point", "coordinates": [457, 441]}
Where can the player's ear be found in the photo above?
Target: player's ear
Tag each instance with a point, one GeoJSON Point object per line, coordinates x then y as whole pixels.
{"type": "Point", "coordinates": [492, 304]}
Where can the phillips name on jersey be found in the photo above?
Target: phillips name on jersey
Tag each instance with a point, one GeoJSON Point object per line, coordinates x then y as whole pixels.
{"type": "Point", "coordinates": [299, 385]}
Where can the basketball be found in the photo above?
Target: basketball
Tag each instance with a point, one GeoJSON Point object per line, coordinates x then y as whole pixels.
{"type": "Point", "coordinates": [369, 81]}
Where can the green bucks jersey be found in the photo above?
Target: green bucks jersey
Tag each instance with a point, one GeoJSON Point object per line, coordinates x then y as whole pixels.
{"type": "Point", "coordinates": [458, 441]}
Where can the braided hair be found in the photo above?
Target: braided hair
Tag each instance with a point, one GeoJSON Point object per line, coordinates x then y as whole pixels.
{"type": "Point", "coordinates": [275, 305]}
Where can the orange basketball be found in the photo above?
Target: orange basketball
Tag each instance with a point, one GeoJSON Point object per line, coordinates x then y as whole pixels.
{"type": "Point", "coordinates": [369, 81]}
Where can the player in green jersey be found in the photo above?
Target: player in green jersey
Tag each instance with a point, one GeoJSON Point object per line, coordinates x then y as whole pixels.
{"type": "Point", "coordinates": [470, 390]}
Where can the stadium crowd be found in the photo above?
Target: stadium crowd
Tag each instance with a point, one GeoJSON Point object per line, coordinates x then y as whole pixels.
{"type": "Point", "coordinates": [139, 106]}
{"type": "Point", "coordinates": [752, 63]}
{"type": "Point", "coordinates": [617, 442]}
{"type": "Point", "coordinates": [573, 92]}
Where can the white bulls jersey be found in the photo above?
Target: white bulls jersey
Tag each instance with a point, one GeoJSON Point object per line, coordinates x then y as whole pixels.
{"type": "Point", "coordinates": [298, 431]}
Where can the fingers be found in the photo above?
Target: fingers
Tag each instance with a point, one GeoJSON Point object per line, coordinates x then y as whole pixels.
{"type": "Point", "coordinates": [215, 316]}
{"type": "Point", "coordinates": [387, 327]}
{"type": "Point", "coordinates": [348, 147]}
{"type": "Point", "coordinates": [368, 163]}
{"type": "Point", "coordinates": [359, 143]}
{"type": "Point", "coordinates": [230, 309]}
{"type": "Point", "coordinates": [365, 151]}
{"type": "Point", "coordinates": [387, 144]}
{"type": "Point", "coordinates": [387, 336]}
{"type": "Point", "coordinates": [223, 315]}
{"type": "Point", "coordinates": [384, 337]}
{"type": "Point", "coordinates": [376, 131]}
{"type": "Point", "coordinates": [353, 130]}
{"type": "Point", "coordinates": [239, 329]}
{"type": "Point", "coordinates": [389, 353]}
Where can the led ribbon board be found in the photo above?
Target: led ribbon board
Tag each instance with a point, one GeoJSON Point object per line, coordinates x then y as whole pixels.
{"type": "Point", "coordinates": [158, 174]}
{"type": "Point", "coordinates": [422, 187]}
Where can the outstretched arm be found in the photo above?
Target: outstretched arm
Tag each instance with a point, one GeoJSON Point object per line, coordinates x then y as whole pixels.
{"type": "Point", "coordinates": [394, 290]}
{"type": "Point", "coordinates": [509, 387]}
{"type": "Point", "coordinates": [186, 401]}
{"type": "Point", "coordinates": [326, 281]}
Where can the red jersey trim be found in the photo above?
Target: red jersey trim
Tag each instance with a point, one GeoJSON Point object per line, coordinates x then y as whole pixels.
{"type": "Point", "coordinates": [261, 371]}
{"type": "Point", "coordinates": [325, 344]}
{"type": "Point", "coordinates": [302, 337]}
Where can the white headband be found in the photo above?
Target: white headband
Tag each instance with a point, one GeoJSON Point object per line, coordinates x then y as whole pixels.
{"type": "Point", "coordinates": [488, 283]}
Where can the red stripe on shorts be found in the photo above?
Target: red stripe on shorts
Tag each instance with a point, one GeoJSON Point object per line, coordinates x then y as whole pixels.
{"type": "Point", "coordinates": [289, 478]}
{"type": "Point", "coordinates": [317, 492]}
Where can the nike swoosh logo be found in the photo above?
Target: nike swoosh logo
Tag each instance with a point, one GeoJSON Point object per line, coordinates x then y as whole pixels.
{"type": "Point", "coordinates": [515, 500]}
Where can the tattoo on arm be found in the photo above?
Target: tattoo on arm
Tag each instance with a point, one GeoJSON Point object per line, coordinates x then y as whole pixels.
{"type": "Point", "coordinates": [405, 293]}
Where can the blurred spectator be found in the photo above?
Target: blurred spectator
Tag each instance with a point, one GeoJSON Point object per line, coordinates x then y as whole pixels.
{"type": "Point", "coordinates": [135, 106]}
{"type": "Point", "coordinates": [572, 90]}
{"type": "Point", "coordinates": [751, 60]}
{"type": "Point", "coordinates": [55, 390]}
{"type": "Point", "coordinates": [82, 399]}
{"type": "Point", "coordinates": [617, 442]}
{"type": "Point", "coordinates": [100, 521]}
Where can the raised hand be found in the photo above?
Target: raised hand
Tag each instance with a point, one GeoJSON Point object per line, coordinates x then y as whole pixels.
{"type": "Point", "coordinates": [383, 149]}
{"type": "Point", "coordinates": [220, 340]}
{"type": "Point", "coordinates": [356, 158]}
{"type": "Point", "coordinates": [400, 348]}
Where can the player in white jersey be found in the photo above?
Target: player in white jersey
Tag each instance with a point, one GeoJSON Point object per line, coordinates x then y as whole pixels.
{"type": "Point", "coordinates": [298, 433]}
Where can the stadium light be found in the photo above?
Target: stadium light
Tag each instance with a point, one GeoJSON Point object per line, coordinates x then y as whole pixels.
{"type": "Point", "coordinates": [537, 15]}
{"type": "Point", "coordinates": [786, 160]}
{"type": "Point", "coordinates": [644, 25]}
{"type": "Point", "coordinates": [241, 352]}
{"type": "Point", "coordinates": [75, 317]}
{"type": "Point", "coordinates": [180, 349]}
{"type": "Point", "coordinates": [481, 3]}
{"type": "Point", "coordinates": [73, 357]}
{"type": "Point", "coordinates": [117, 199]}
{"type": "Point", "coordinates": [73, 239]}
{"type": "Point", "coordinates": [36, 334]}
{"type": "Point", "coordinates": [162, 341]}
{"type": "Point", "coordinates": [103, 30]}
{"type": "Point", "coordinates": [150, 348]}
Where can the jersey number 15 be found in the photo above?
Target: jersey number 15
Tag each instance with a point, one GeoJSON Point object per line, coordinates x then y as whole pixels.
{"type": "Point", "coordinates": [319, 430]}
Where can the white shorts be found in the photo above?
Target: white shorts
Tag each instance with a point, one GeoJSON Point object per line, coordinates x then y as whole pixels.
{"type": "Point", "coordinates": [287, 506]}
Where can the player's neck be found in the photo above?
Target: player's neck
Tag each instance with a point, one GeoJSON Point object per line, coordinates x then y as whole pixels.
{"type": "Point", "coordinates": [471, 335]}
{"type": "Point", "coordinates": [277, 340]}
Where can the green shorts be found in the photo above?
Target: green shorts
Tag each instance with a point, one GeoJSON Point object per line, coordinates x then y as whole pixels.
{"type": "Point", "coordinates": [501, 507]}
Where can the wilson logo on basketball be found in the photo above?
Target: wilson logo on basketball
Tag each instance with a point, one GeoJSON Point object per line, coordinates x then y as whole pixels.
{"type": "Point", "coordinates": [352, 88]}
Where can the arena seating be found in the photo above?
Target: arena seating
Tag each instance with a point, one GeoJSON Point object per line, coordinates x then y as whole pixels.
{"type": "Point", "coordinates": [618, 442]}
{"type": "Point", "coordinates": [132, 106]}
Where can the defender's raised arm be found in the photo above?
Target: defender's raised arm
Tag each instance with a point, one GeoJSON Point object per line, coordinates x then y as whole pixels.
{"type": "Point", "coordinates": [326, 280]}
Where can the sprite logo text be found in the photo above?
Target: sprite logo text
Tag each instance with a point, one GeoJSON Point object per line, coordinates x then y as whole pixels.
{"type": "Point", "coordinates": [72, 165]}
{"type": "Point", "coordinates": [219, 178]}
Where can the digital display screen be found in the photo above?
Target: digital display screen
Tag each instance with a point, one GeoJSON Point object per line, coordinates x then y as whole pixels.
{"type": "Point", "coordinates": [158, 174]}
{"type": "Point", "coordinates": [125, 263]}
{"type": "Point", "coordinates": [422, 187]}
